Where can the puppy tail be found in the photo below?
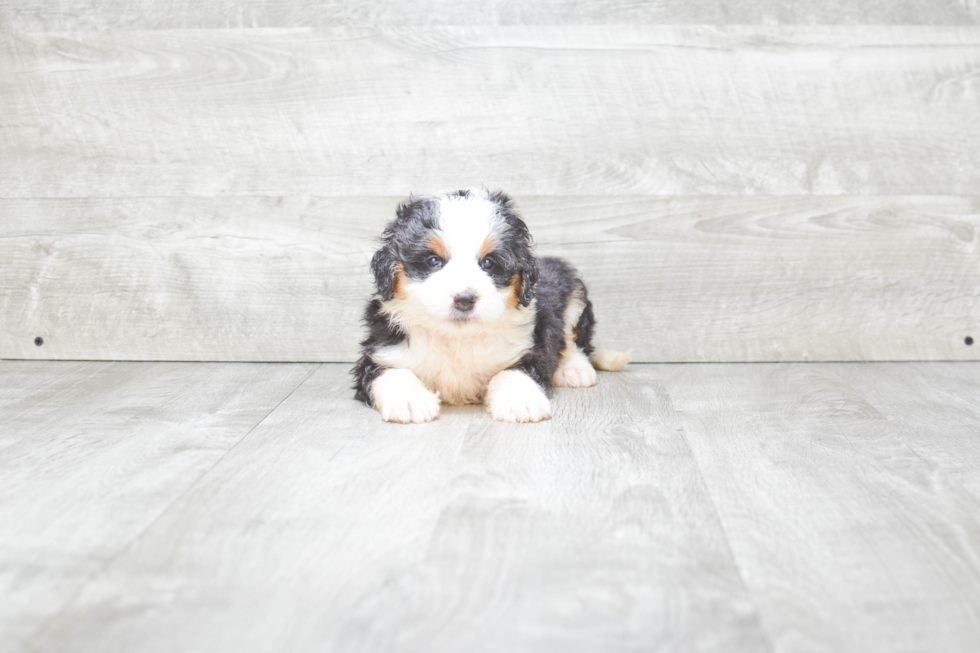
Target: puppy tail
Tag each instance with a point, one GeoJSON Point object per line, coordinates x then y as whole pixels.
{"type": "Point", "coordinates": [610, 361]}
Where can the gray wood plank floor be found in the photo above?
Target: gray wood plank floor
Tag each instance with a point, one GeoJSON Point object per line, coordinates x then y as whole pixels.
{"type": "Point", "coordinates": [231, 507]}
{"type": "Point", "coordinates": [91, 454]}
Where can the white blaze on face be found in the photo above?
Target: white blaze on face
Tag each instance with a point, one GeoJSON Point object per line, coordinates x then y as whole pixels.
{"type": "Point", "coordinates": [465, 224]}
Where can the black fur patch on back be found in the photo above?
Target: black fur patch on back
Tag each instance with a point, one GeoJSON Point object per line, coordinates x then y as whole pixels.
{"type": "Point", "coordinates": [556, 281]}
{"type": "Point", "coordinates": [381, 333]}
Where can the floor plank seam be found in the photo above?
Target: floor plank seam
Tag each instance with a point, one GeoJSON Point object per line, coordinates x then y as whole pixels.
{"type": "Point", "coordinates": [38, 389]}
{"type": "Point", "coordinates": [771, 645]}
{"type": "Point", "coordinates": [125, 547]}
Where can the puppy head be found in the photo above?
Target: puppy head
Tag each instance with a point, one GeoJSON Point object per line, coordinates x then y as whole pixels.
{"type": "Point", "coordinates": [456, 260]}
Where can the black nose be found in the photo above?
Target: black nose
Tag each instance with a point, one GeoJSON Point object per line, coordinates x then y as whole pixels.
{"type": "Point", "coordinates": [464, 301]}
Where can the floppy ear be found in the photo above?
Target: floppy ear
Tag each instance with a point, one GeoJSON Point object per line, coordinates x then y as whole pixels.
{"type": "Point", "coordinates": [384, 267]}
{"type": "Point", "coordinates": [529, 277]}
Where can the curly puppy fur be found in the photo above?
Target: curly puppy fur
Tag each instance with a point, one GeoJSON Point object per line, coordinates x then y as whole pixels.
{"type": "Point", "coordinates": [465, 313]}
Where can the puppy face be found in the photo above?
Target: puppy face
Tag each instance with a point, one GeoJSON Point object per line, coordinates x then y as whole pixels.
{"type": "Point", "coordinates": [457, 261]}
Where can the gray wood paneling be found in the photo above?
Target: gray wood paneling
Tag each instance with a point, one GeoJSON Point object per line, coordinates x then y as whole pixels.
{"type": "Point", "coordinates": [211, 194]}
{"type": "Point", "coordinates": [187, 279]}
{"type": "Point", "coordinates": [849, 495]}
{"type": "Point", "coordinates": [675, 279]}
{"type": "Point", "coordinates": [328, 530]}
{"type": "Point", "coordinates": [91, 454]}
{"type": "Point", "coordinates": [60, 15]}
{"type": "Point", "coordinates": [539, 110]}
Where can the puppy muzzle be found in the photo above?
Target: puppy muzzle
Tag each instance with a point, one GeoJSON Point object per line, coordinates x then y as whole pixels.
{"type": "Point", "coordinates": [464, 301]}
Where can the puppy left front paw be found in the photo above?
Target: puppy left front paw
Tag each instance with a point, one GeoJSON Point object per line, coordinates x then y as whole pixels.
{"type": "Point", "coordinates": [513, 397]}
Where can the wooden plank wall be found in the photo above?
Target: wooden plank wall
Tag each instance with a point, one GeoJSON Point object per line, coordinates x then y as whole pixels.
{"type": "Point", "coordinates": [742, 181]}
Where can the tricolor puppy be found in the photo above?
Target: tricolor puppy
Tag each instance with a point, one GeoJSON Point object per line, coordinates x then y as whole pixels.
{"type": "Point", "coordinates": [465, 313]}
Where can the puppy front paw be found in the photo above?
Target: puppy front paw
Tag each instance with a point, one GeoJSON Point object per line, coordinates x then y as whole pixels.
{"type": "Point", "coordinates": [513, 397]}
{"type": "Point", "coordinates": [574, 371]}
{"type": "Point", "coordinates": [400, 397]}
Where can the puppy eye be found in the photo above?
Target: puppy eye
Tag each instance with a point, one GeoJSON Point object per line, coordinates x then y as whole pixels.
{"type": "Point", "coordinates": [487, 264]}
{"type": "Point", "coordinates": [434, 262]}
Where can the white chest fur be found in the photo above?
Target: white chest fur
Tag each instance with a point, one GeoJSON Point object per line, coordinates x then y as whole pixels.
{"type": "Point", "coordinates": [460, 365]}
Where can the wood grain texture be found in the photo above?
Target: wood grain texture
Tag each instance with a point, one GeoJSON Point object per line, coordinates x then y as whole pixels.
{"type": "Point", "coordinates": [187, 279]}
{"type": "Point", "coordinates": [849, 495]}
{"type": "Point", "coordinates": [539, 110]}
{"type": "Point", "coordinates": [61, 15]}
{"type": "Point", "coordinates": [674, 279]}
{"type": "Point", "coordinates": [92, 454]}
{"type": "Point", "coordinates": [326, 529]}
{"type": "Point", "coordinates": [779, 507]}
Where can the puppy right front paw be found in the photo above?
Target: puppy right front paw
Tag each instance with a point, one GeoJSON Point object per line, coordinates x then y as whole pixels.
{"type": "Point", "coordinates": [400, 397]}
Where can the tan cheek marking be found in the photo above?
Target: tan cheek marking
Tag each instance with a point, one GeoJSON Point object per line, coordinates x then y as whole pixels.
{"type": "Point", "coordinates": [401, 280]}
{"type": "Point", "coordinates": [489, 244]}
{"type": "Point", "coordinates": [514, 298]}
{"type": "Point", "coordinates": [438, 245]}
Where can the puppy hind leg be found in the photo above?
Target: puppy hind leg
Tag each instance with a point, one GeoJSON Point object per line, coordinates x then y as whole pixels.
{"type": "Point", "coordinates": [601, 359]}
{"type": "Point", "coordinates": [574, 370]}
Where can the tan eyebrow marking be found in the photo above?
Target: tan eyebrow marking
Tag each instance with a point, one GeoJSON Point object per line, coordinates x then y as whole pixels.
{"type": "Point", "coordinates": [438, 245]}
{"type": "Point", "coordinates": [489, 244]}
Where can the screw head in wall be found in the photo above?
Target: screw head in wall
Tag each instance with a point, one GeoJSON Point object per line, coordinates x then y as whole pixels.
{"type": "Point", "coordinates": [968, 340]}
{"type": "Point", "coordinates": [39, 341]}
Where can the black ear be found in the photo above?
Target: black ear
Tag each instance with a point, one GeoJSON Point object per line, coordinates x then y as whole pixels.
{"type": "Point", "coordinates": [529, 278]}
{"type": "Point", "coordinates": [384, 267]}
{"type": "Point", "coordinates": [501, 199]}
{"type": "Point", "coordinates": [519, 235]}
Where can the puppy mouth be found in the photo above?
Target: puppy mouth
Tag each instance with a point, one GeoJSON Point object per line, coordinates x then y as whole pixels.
{"type": "Point", "coordinates": [462, 317]}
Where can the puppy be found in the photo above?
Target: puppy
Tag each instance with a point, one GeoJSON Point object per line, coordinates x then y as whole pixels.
{"type": "Point", "coordinates": [465, 313]}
